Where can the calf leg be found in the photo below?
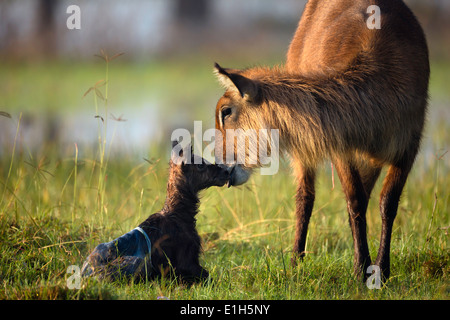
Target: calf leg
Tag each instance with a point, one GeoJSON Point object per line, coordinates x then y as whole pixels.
{"type": "Point", "coordinates": [357, 200]}
{"type": "Point", "coordinates": [390, 196]}
{"type": "Point", "coordinates": [304, 205]}
{"type": "Point", "coordinates": [188, 265]}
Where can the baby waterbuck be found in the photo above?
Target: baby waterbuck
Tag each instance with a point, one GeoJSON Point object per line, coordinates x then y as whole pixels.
{"type": "Point", "coordinates": [350, 93]}
{"type": "Point", "coordinates": [167, 242]}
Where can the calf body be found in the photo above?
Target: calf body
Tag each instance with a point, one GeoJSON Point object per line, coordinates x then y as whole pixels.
{"type": "Point", "coordinates": [167, 242]}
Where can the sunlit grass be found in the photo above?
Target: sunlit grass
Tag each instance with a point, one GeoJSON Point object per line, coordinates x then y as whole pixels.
{"type": "Point", "coordinates": [56, 208]}
{"type": "Point", "coordinates": [247, 251]}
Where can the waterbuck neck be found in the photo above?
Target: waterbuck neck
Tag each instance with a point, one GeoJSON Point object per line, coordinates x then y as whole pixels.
{"type": "Point", "coordinates": [180, 198]}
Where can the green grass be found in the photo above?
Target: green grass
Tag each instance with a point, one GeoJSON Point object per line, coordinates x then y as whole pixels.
{"type": "Point", "coordinates": [247, 237]}
{"type": "Point", "coordinates": [54, 209]}
{"type": "Point", "coordinates": [246, 246]}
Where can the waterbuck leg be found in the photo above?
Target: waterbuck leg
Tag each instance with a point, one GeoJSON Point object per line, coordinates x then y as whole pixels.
{"type": "Point", "coordinates": [304, 205]}
{"type": "Point", "coordinates": [357, 201]}
{"type": "Point", "coordinates": [369, 176]}
{"type": "Point", "coordinates": [390, 196]}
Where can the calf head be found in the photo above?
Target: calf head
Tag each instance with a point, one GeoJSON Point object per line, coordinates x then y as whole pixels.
{"type": "Point", "coordinates": [195, 172]}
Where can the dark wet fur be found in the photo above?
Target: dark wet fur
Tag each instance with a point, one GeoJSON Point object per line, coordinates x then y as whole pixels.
{"type": "Point", "coordinates": [176, 245]}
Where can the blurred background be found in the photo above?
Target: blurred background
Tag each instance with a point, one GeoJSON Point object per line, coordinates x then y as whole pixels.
{"type": "Point", "coordinates": [164, 79]}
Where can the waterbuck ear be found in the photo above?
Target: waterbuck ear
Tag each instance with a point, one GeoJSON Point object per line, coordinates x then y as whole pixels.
{"type": "Point", "coordinates": [232, 80]}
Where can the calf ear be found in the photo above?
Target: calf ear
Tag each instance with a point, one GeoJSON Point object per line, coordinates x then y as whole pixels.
{"type": "Point", "coordinates": [176, 154]}
{"type": "Point", "coordinates": [190, 147]}
{"type": "Point", "coordinates": [232, 80]}
{"type": "Point", "coordinates": [186, 154]}
{"type": "Point", "coordinates": [179, 154]}
{"type": "Point", "coordinates": [174, 143]}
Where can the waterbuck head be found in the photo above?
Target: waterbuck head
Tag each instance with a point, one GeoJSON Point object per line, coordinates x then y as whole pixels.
{"type": "Point", "coordinates": [241, 124]}
{"type": "Point", "coordinates": [194, 172]}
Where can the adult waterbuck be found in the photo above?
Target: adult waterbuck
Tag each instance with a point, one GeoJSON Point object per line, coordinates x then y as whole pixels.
{"type": "Point", "coordinates": [348, 92]}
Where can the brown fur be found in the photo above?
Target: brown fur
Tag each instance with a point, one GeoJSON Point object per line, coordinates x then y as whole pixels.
{"type": "Point", "coordinates": [347, 93]}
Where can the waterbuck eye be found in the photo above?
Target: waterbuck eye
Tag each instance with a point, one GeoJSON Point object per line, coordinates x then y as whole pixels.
{"type": "Point", "coordinates": [226, 112]}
